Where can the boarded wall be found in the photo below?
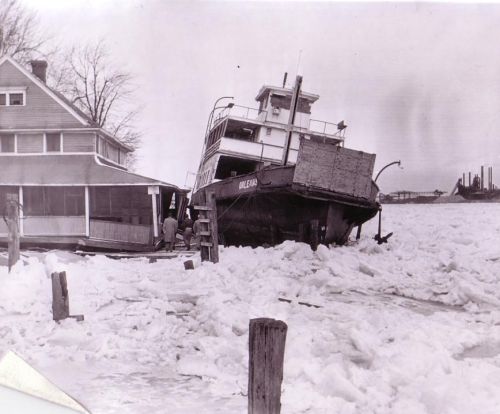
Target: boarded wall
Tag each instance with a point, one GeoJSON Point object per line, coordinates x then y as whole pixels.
{"type": "Point", "coordinates": [54, 226]}
{"type": "Point", "coordinates": [329, 167]}
{"type": "Point", "coordinates": [131, 233]}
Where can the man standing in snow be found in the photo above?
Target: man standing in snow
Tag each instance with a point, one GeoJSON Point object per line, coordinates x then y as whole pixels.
{"type": "Point", "coordinates": [196, 233]}
{"type": "Point", "coordinates": [169, 230]}
{"type": "Point", "coordinates": [188, 232]}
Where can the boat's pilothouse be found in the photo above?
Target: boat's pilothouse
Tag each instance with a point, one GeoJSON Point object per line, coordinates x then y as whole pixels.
{"type": "Point", "coordinates": [241, 140]}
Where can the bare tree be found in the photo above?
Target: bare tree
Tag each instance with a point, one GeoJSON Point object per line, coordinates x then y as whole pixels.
{"type": "Point", "coordinates": [91, 80]}
{"type": "Point", "coordinates": [20, 35]}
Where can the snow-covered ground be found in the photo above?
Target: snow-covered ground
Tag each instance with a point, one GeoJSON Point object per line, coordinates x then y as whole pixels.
{"type": "Point", "coordinates": [412, 326]}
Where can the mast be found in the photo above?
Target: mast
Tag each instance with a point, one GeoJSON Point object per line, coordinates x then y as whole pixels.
{"type": "Point", "coordinates": [291, 118]}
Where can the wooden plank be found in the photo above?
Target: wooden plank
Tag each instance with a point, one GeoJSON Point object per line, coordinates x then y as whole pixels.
{"type": "Point", "coordinates": [206, 244]}
{"type": "Point", "coordinates": [204, 220]}
{"type": "Point", "coordinates": [204, 208]}
{"type": "Point", "coordinates": [205, 233]}
{"type": "Point", "coordinates": [159, 255]}
{"type": "Point", "coordinates": [113, 245]}
{"type": "Point", "coordinates": [266, 349]}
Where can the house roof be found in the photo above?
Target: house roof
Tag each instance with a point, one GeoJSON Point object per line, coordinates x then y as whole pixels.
{"type": "Point", "coordinates": [284, 91]}
{"type": "Point", "coordinates": [68, 170]}
{"type": "Point", "coordinates": [81, 116]}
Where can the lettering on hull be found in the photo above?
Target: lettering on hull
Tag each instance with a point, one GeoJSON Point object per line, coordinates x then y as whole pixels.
{"type": "Point", "coordinates": [245, 184]}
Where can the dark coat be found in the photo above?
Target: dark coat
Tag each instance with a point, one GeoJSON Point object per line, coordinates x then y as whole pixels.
{"type": "Point", "coordinates": [170, 227]}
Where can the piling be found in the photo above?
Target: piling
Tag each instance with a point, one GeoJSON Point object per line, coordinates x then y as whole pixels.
{"type": "Point", "coordinates": [266, 350]}
{"type": "Point", "coordinates": [60, 300]}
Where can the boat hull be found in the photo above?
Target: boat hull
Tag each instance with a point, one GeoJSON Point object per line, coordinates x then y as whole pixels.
{"type": "Point", "coordinates": [267, 208]}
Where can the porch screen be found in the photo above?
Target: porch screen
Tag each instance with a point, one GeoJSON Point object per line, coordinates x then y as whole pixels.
{"type": "Point", "coordinates": [54, 201]}
{"type": "Point", "coordinates": [121, 204]}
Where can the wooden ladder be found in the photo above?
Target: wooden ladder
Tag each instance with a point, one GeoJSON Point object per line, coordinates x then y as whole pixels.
{"type": "Point", "coordinates": [207, 217]}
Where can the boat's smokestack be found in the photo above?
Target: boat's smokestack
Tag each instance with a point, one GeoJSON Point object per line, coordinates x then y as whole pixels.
{"type": "Point", "coordinates": [284, 79]}
{"type": "Point", "coordinates": [470, 178]}
{"type": "Point", "coordinates": [482, 177]}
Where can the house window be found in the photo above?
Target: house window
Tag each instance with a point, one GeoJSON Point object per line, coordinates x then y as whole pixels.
{"type": "Point", "coordinates": [12, 97]}
{"type": "Point", "coordinates": [16, 99]}
{"type": "Point", "coordinates": [53, 142]}
{"type": "Point", "coordinates": [7, 143]}
{"type": "Point", "coordinates": [103, 147]}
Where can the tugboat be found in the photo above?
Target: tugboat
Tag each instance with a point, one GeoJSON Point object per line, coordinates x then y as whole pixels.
{"type": "Point", "coordinates": [277, 174]}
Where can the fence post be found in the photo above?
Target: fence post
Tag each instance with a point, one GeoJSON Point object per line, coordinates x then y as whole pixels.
{"type": "Point", "coordinates": [266, 348]}
{"type": "Point", "coordinates": [12, 221]}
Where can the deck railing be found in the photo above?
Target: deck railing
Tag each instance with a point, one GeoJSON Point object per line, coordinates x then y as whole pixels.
{"type": "Point", "coordinates": [254, 114]}
{"type": "Point", "coordinates": [238, 111]}
{"type": "Point", "coordinates": [324, 128]}
{"type": "Point", "coordinates": [257, 150]}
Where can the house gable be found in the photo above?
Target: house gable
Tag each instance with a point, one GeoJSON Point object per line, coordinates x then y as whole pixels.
{"type": "Point", "coordinates": [41, 110]}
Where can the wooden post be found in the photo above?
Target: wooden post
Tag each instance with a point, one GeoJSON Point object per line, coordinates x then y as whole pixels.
{"type": "Point", "coordinates": [274, 234]}
{"type": "Point", "coordinates": [60, 299]}
{"type": "Point", "coordinates": [87, 211]}
{"type": "Point", "coordinates": [302, 233]}
{"type": "Point", "coordinates": [266, 348]}
{"type": "Point", "coordinates": [358, 233]}
{"type": "Point", "coordinates": [214, 229]}
{"type": "Point", "coordinates": [314, 239]}
{"type": "Point", "coordinates": [12, 221]}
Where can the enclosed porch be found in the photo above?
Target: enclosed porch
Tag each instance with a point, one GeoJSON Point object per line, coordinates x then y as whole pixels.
{"type": "Point", "coordinates": [126, 214]}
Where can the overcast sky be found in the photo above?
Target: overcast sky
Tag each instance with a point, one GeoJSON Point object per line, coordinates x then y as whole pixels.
{"type": "Point", "coordinates": [417, 82]}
